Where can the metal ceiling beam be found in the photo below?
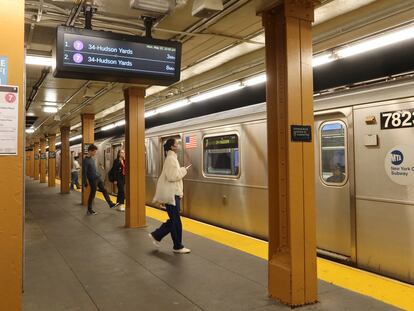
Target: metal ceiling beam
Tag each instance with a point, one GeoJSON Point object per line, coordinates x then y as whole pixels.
{"type": "Point", "coordinates": [74, 14]}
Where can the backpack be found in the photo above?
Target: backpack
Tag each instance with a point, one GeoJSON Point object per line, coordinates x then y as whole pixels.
{"type": "Point", "coordinates": [111, 174]}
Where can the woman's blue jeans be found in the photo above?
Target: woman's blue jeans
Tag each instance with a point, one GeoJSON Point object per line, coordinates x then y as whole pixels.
{"type": "Point", "coordinates": [172, 225]}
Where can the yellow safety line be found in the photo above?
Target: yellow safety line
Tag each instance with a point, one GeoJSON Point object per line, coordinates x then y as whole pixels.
{"type": "Point", "coordinates": [378, 287]}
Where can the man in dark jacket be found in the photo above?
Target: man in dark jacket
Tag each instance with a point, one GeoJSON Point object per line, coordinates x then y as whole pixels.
{"type": "Point", "coordinates": [93, 178]}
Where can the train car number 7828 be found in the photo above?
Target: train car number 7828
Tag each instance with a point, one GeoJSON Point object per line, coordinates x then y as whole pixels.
{"type": "Point", "coordinates": [397, 119]}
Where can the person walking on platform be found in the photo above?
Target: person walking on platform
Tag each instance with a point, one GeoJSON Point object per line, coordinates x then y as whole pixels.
{"type": "Point", "coordinates": [93, 178]}
{"type": "Point", "coordinates": [169, 192]}
{"type": "Point", "coordinates": [119, 171]}
{"type": "Point", "coordinates": [75, 174]}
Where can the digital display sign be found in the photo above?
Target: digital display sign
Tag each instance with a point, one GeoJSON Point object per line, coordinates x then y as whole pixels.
{"type": "Point", "coordinates": [106, 56]}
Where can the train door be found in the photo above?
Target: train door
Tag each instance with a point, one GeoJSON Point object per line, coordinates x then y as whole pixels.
{"type": "Point", "coordinates": [180, 154]}
{"type": "Point", "coordinates": [334, 184]}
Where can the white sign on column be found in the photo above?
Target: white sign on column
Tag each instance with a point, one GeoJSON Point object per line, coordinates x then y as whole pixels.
{"type": "Point", "coordinates": [9, 119]}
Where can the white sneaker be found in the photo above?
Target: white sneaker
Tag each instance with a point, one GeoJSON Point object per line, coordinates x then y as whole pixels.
{"type": "Point", "coordinates": [182, 251]}
{"type": "Point", "coordinates": [154, 241]}
{"type": "Point", "coordinates": [121, 208]}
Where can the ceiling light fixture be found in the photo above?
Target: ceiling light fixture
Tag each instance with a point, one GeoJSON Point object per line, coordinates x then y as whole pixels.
{"type": "Point", "coordinates": [120, 123]}
{"type": "Point", "coordinates": [150, 113]}
{"type": "Point", "coordinates": [255, 80]}
{"type": "Point", "coordinates": [40, 61]}
{"type": "Point", "coordinates": [75, 126]}
{"type": "Point", "coordinates": [30, 130]}
{"type": "Point", "coordinates": [382, 40]}
{"type": "Point", "coordinates": [323, 59]}
{"type": "Point", "coordinates": [108, 127]}
{"type": "Point", "coordinates": [157, 6]}
{"type": "Point", "coordinates": [174, 105]}
{"type": "Point", "coordinates": [75, 137]}
{"type": "Point", "coordinates": [113, 125]}
{"type": "Point", "coordinates": [217, 92]}
{"type": "Point", "coordinates": [50, 109]}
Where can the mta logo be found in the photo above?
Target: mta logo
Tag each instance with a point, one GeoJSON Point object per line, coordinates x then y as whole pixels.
{"type": "Point", "coordinates": [397, 157]}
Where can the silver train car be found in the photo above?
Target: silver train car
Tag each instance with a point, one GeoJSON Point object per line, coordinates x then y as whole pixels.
{"type": "Point", "coordinates": [364, 181]}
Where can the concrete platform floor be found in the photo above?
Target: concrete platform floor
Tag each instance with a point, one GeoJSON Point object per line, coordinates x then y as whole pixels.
{"type": "Point", "coordinates": [79, 262]}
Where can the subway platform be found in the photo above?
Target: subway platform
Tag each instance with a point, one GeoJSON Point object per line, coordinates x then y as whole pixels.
{"type": "Point", "coordinates": [79, 262]}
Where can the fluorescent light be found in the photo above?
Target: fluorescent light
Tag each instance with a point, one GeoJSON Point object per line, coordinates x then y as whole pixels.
{"type": "Point", "coordinates": [255, 80]}
{"type": "Point", "coordinates": [322, 59]}
{"type": "Point", "coordinates": [112, 109]}
{"type": "Point", "coordinates": [75, 137]}
{"type": "Point", "coordinates": [50, 104]}
{"type": "Point", "coordinates": [58, 144]}
{"type": "Point", "coordinates": [113, 125]}
{"type": "Point", "coordinates": [108, 127]}
{"type": "Point", "coordinates": [377, 42]}
{"type": "Point", "coordinates": [50, 109]}
{"type": "Point", "coordinates": [217, 92]}
{"type": "Point", "coordinates": [75, 126]}
{"type": "Point", "coordinates": [174, 105]}
{"type": "Point", "coordinates": [120, 123]}
{"type": "Point", "coordinates": [30, 130]}
{"type": "Point", "coordinates": [40, 61]}
{"type": "Point", "coordinates": [150, 113]}
{"type": "Point", "coordinates": [47, 147]}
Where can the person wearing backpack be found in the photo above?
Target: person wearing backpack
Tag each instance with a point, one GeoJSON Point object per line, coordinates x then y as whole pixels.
{"type": "Point", "coordinates": [117, 174]}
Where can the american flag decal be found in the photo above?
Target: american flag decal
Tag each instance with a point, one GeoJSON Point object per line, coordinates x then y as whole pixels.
{"type": "Point", "coordinates": [190, 142]}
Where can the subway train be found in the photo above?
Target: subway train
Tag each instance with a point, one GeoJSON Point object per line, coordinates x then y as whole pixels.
{"type": "Point", "coordinates": [364, 173]}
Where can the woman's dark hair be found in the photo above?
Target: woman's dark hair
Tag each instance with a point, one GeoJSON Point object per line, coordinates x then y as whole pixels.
{"type": "Point", "coordinates": [168, 144]}
{"type": "Point", "coordinates": [118, 155]}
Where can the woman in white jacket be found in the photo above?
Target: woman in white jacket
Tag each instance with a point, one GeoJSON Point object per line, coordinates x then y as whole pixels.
{"type": "Point", "coordinates": [169, 192]}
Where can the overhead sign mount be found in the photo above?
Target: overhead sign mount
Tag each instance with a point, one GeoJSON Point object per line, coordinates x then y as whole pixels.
{"type": "Point", "coordinates": [106, 56]}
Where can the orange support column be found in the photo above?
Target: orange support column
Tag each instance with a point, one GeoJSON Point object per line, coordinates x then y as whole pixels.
{"type": "Point", "coordinates": [43, 158]}
{"type": "Point", "coordinates": [36, 161]}
{"type": "Point", "coordinates": [64, 160]}
{"type": "Point", "coordinates": [12, 167]}
{"type": "Point", "coordinates": [51, 179]}
{"type": "Point", "coordinates": [135, 157]}
{"type": "Point", "coordinates": [292, 229]}
{"type": "Point", "coordinates": [88, 138]}
{"type": "Point", "coordinates": [32, 163]}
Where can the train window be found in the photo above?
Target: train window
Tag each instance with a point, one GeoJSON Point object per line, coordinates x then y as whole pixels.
{"type": "Point", "coordinates": [333, 153]}
{"type": "Point", "coordinates": [221, 155]}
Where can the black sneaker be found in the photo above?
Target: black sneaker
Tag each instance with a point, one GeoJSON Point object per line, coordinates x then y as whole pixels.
{"type": "Point", "coordinates": [113, 205]}
{"type": "Point", "coordinates": [91, 212]}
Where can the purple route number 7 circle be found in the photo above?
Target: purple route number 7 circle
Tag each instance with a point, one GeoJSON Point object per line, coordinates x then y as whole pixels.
{"type": "Point", "coordinates": [78, 58]}
{"type": "Point", "coordinates": [78, 45]}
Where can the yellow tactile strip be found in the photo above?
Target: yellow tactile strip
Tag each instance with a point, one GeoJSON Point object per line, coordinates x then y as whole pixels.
{"type": "Point", "coordinates": [380, 288]}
